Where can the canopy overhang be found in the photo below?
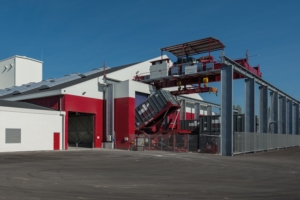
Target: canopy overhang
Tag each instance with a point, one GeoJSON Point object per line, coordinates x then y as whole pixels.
{"type": "Point", "coordinates": [195, 47]}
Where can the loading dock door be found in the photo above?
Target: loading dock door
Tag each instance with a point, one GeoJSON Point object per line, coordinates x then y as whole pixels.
{"type": "Point", "coordinates": [56, 141]}
{"type": "Point", "coordinates": [81, 130]}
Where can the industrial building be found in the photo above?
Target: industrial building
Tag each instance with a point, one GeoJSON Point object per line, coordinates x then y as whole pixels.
{"type": "Point", "coordinates": [16, 69]}
{"type": "Point", "coordinates": [82, 98]}
{"type": "Point", "coordinates": [29, 127]}
{"type": "Point", "coordinates": [101, 108]}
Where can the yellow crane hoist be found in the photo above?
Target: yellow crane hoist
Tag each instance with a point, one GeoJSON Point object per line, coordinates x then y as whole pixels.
{"type": "Point", "coordinates": [205, 81]}
{"type": "Point", "coordinates": [179, 85]}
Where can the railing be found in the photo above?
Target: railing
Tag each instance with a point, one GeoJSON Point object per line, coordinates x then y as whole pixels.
{"type": "Point", "coordinates": [244, 142]}
{"type": "Point", "coordinates": [177, 143]}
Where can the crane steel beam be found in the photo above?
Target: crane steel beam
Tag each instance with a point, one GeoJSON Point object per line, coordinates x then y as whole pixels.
{"type": "Point", "coordinates": [226, 111]}
{"type": "Point", "coordinates": [206, 103]}
{"type": "Point", "coordinates": [263, 109]}
{"type": "Point", "coordinates": [296, 119]}
{"type": "Point", "coordinates": [250, 105]}
{"type": "Point", "coordinates": [282, 115]}
{"type": "Point", "coordinates": [240, 69]}
{"type": "Point", "coordinates": [289, 117]}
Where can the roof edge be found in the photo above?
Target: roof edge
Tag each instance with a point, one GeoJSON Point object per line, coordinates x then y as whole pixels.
{"type": "Point", "coordinates": [24, 57]}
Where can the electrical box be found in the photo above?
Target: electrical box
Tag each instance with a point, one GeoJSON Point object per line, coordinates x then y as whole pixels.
{"type": "Point", "coordinates": [159, 70]}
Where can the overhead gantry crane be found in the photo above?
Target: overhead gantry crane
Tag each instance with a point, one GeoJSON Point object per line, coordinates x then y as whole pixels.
{"type": "Point", "coordinates": [189, 73]}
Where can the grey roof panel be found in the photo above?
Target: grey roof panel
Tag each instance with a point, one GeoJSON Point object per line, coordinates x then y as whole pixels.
{"type": "Point", "coordinates": [97, 70]}
{"type": "Point", "coordinates": [60, 83]}
{"type": "Point", "coordinates": [16, 104]}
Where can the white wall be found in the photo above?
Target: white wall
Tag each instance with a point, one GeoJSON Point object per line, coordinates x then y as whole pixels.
{"type": "Point", "coordinates": [7, 75]}
{"type": "Point", "coordinates": [189, 108]}
{"type": "Point", "coordinates": [37, 128]}
{"type": "Point", "coordinates": [20, 70]}
{"type": "Point", "coordinates": [28, 70]}
{"type": "Point", "coordinates": [129, 72]}
{"type": "Point", "coordinates": [129, 87]}
{"type": "Point", "coordinates": [91, 88]}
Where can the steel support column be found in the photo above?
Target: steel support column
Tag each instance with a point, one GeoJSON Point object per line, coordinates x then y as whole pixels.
{"type": "Point", "coordinates": [274, 112]}
{"type": "Point", "coordinates": [182, 109]}
{"type": "Point", "coordinates": [109, 112]}
{"type": "Point", "coordinates": [209, 110]}
{"type": "Point", "coordinates": [289, 117]}
{"type": "Point", "coordinates": [249, 105]}
{"type": "Point", "coordinates": [282, 115]}
{"type": "Point", "coordinates": [197, 110]}
{"type": "Point", "coordinates": [296, 119]}
{"type": "Point", "coordinates": [263, 109]}
{"type": "Point", "coordinates": [226, 110]}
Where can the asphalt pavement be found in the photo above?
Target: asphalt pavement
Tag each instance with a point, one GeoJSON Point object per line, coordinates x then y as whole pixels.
{"type": "Point", "coordinates": [117, 174]}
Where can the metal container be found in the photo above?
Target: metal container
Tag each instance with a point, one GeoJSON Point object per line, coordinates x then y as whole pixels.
{"type": "Point", "coordinates": [192, 69]}
{"type": "Point", "coordinates": [238, 123]}
{"type": "Point", "coordinates": [210, 124]}
{"type": "Point", "coordinates": [210, 66]}
{"type": "Point", "coordinates": [153, 109]}
{"type": "Point", "coordinates": [199, 67]}
{"type": "Point", "coordinates": [174, 71]}
{"type": "Point", "coordinates": [191, 125]}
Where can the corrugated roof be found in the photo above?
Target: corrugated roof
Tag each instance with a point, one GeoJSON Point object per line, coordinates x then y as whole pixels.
{"type": "Point", "coordinates": [195, 47]}
{"type": "Point", "coordinates": [59, 83]}
{"type": "Point", "coordinates": [16, 104]}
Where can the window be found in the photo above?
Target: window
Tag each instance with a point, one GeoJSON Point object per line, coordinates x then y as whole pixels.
{"type": "Point", "coordinates": [12, 135]}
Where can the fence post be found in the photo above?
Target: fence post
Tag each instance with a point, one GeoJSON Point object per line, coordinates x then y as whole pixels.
{"type": "Point", "coordinates": [254, 142]}
{"type": "Point", "coordinates": [174, 142]}
{"type": "Point", "coordinates": [161, 142]}
{"type": "Point", "coordinates": [150, 142]}
{"type": "Point", "coordinates": [188, 142]}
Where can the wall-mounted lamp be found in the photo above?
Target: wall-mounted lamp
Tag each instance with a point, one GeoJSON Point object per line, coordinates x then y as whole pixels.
{"type": "Point", "coordinates": [83, 93]}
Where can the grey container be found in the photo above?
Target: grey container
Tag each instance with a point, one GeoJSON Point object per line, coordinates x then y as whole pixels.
{"type": "Point", "coordinates": [191, 124]}
{"type": "Point", "coordinates": [174, 71]}
{"type": "Point", "coordinates": [199, 67]}
{"type": "Point", "coordinates": [145, 113]}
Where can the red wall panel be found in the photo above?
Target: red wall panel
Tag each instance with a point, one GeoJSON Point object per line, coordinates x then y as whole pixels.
{"type": "Point", "coordinates": [85, 105]}
{"type": "Point", "coordinates": [124, 121]}
{"type": "Point", "coordinates": [70, 103]}
{"type": "Point", "coordinates": [189, 115]}
{"type": "Point", "coordinates": [56, 141]}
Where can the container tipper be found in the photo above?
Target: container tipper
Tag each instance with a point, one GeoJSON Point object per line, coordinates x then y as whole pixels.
{"type": "Point", "coordinates": [157, 107]}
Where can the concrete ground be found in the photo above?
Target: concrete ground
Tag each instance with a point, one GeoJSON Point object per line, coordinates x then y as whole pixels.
{"type": "Point", "coordinates": [116, 174]}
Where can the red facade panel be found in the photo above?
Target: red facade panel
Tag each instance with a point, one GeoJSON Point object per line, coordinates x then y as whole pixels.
{"type": "Point", "coordinates": [70, 103]}
{"type": "Point", "coordinates": [189, 115]}
{"type": "Point", "coordinates": [56, 141]}
{"type": "Point", "coordinates": [85, 105]}
{"type": "Point", "coordinates": [124, 121]}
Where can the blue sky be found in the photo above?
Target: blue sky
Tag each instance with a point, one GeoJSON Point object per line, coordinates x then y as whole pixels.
{"type": "Point", "coordinates": [78, 35]}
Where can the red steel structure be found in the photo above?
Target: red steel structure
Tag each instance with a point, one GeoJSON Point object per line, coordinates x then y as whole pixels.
{"type": "Point", "coordinates": [186, 82]}
{"type": "Point", "coordinates": [188, 49]}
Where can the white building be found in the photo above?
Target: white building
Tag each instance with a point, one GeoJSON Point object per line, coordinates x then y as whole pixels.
{"type": "Point", "coordinates": [18, 70]}
{"type": "Point", "coordinates": [95, 109]}
{"type": "Point", "coordinates": [29, 127]}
